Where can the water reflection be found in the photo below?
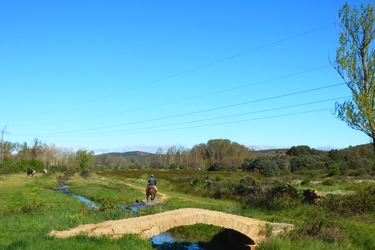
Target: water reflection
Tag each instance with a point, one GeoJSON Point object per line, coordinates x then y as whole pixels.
{"type": "Point", "coordinates": [64, 189]}
{"type": "Point", "coordinates": [166, 241]}
{"type": "Point", "coordinates": [135, 207]}
{"type": "Point", "coordinates": [89, 203]}
{"type": "Point", "coordinates": [226, 239]}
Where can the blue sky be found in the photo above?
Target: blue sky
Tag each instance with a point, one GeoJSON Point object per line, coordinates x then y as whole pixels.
{"type": "Point", "coordinates": [116, 76]}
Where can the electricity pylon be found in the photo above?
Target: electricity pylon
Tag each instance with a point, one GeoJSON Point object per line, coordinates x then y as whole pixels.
{"type": "Point", "coordinates": [2, 143]}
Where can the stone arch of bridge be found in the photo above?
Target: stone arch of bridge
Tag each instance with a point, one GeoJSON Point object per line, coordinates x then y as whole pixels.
{"type": "Point", "coordinates": [151, 225]}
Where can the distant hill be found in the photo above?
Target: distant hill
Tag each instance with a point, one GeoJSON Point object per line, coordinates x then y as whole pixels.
{"type": "Point", "coordinates": [272, 152]}
{"type": "Point", "coordinates": [132, 155]}
{"type": "Point", "coordinates": [145, 156]}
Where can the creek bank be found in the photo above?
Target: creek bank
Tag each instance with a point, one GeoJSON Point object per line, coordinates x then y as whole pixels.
{"type": "Point", "coordinates": [64, 189]}
{"type": "Point", "coordinates": [133, 207]}
{"type": "Point", "coordinates": [164, 240]}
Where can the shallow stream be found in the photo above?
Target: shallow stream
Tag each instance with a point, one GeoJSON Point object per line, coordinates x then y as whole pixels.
{"type": "Point", "coordinates": [163, 241]}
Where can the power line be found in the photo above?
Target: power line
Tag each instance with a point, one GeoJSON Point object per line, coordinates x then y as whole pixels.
{"type": "Point", "coordinates": [191, 69]}
{"type": "Point", "coordinates": [222, 123]}
{"type": "Point", "coordinates": [208, 119]}
{"type": "Point", "coordinates": [211, 119]}
{"type": "Point", "coordinates": [201, 111]}
{"type": "Point", "coordinates": [197, 96]}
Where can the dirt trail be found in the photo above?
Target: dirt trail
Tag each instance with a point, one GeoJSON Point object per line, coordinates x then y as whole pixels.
{"type": "Point", "coordinates": [162, 196]}
{"type": "Point", "coordinates": [159, 198]}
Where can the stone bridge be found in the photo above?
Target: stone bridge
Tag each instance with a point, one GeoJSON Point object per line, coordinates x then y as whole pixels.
{"type": "Point", "coordinates": [152, 225]}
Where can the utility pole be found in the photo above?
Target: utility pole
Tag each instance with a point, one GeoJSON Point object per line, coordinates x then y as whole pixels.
{"type": "Point", "coordinates": [2, 143]}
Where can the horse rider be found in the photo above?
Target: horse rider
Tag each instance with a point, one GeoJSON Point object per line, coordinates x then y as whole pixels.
{"type": "Point", "coordinates": [152, 182]}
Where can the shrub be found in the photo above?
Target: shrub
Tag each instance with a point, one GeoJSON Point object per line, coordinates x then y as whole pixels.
{"type": "Point", "coordinates": [334, 169]}
{"type": "Point", "coordinates": [301, 164]}
{"type": "Point", "coordinates": [267, 166]}
{"type": "Point", "coordinates": [277, 197]}
{"type": "Point", "coordinates": [247, 185]}
{"type": "Point", "coordinates": [305, 182]}
{"type": "Point", "coordinates": [311, 173]}
{"type": "Point", "coordinates": [329, 182]}
{"type": "Point", "coordinates": [85, 173]}
{"type": "Point", "coordinates": [352, 204]}
{"type": "Point", "coordinates": [310, 196]}
{"type": "Point", "coordinates": [321, 226]}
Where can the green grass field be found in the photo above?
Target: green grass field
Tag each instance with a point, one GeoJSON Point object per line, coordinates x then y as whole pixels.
{"type": "Point", "coordinates": [31, 208]}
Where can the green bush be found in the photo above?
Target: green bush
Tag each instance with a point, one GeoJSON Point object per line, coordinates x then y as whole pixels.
{"type": "Point", "coordinates": [334, 169]}
{"type": "Point", "coordinates": [319, 225]}
{"type": "Point", "coordinates": [305, 182]}
{"type": "Point", "coordinates": [276, 197]}
{"type": "Point", "coordinates": [247, 185]}
{"type": "Point", "coordinates": [352, 204]}
{"type": "Point", "coordinates": [267, 166]}
{"type": "Point", "coordinates": [329, 182]}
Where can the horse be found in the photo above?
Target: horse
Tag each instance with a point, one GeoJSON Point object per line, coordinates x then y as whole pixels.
{"type": "Point", "coordinates": [150, 194]}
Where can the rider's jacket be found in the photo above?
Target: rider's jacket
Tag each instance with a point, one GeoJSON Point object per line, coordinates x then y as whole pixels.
{"type": "Point", "coordinates": [152, 181]}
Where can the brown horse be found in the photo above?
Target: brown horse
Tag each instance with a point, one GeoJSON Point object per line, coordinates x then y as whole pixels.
{"type": "Point", "coordinates": [150, 194]}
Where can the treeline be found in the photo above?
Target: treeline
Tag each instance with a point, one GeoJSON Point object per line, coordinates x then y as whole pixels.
{"type": "Point", "coordinates": [358, 160]}
{"type": "Point", "coordinates": [215, 155]}
{"type": "Point", "coordinates": [16, 157]}
{"type": "Point", "coordinates": [224, 155]}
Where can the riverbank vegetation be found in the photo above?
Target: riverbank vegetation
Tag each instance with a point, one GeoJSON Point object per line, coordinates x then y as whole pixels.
{"type": "Point", "coordinates": [343, 217]}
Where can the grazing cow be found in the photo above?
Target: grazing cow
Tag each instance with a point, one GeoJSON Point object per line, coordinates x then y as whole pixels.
{"type": "Point", "coordinates": [30, 172]}
{"type": "Point", "coordinates": [44, 171]}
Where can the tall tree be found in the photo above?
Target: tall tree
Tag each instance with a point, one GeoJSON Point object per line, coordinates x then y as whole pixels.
{"type": "Point", "coordinates": [24, 152]}
{"type": "Point", "coordinates": [84, 159]}
{"type": "Point", "coordinates": [8, 149]}
{"type": "Point", "coordinates": [197, 155]}
{"type": "Point", "coordinates": [158, 161]}
{"type": "Point", "coordinates": [355, 63]}
{"type": "Point", "coordinates": [37, 149]}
